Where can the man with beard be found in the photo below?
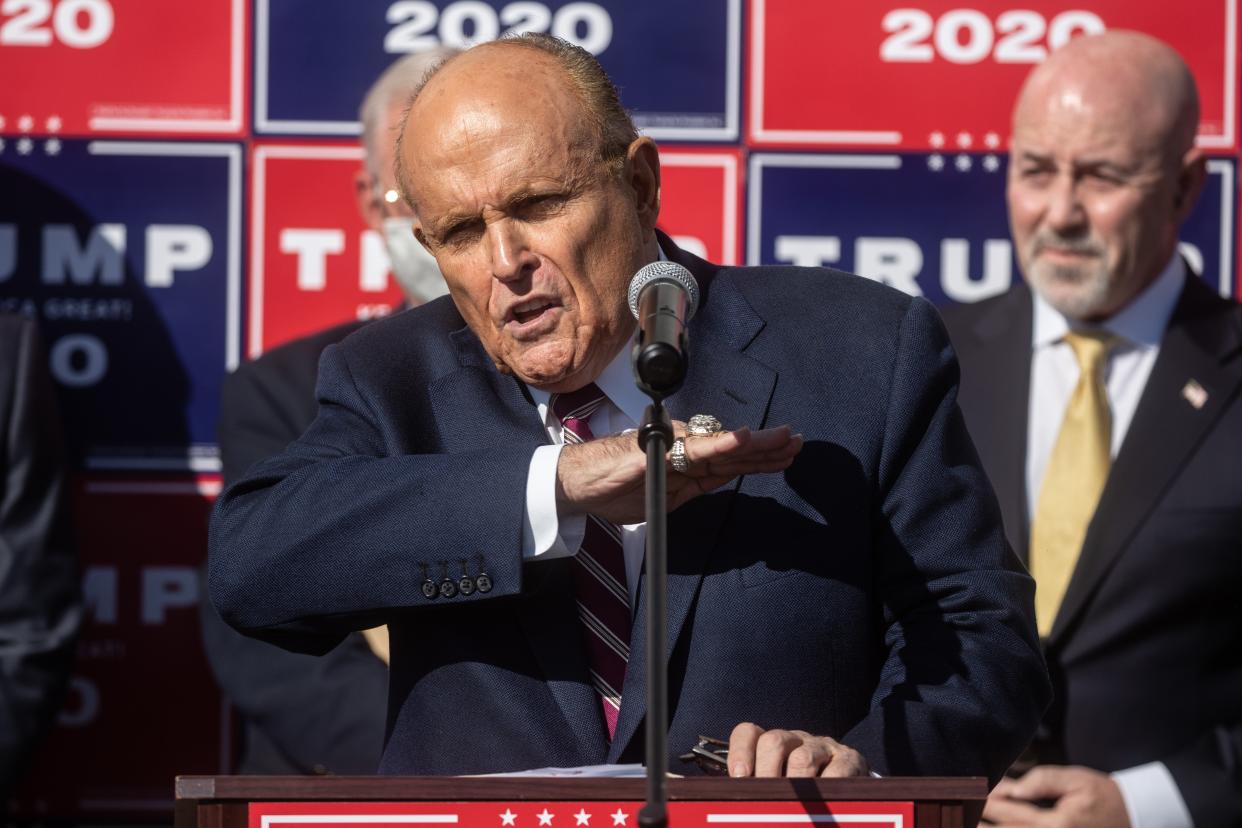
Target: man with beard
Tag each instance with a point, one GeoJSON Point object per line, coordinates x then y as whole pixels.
{"type": "Point", "coordinates": [1103, 397]}
{"type": "Point", "coordinates": [303, 714]}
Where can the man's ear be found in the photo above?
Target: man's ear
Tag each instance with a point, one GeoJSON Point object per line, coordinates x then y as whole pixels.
{"type": "Point", "coordinates": [1189, 184]}
{"type": "Point", "coordinates": [642, 171]}
{"type": "Point", "coordinates": [368, 206]}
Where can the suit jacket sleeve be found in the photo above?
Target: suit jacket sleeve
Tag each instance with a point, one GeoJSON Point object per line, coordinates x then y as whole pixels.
{"type": "Point", "coordinates": [963, 685]}
{"type": "Point", "coordinates": [40, 607]}
{"type": "Point", "coordinates": [1208, 774]}
{"type": "Point", "coordinates": [276, 569]}
{"type": "Point", "coordinates": [321, 714]}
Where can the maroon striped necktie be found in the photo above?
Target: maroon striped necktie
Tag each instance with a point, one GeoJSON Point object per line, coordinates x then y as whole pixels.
{"type": "Point", "coordinates": [599, 571]}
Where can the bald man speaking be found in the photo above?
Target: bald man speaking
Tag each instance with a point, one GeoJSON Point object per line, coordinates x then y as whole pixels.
{"type": "Point", "coordinates": [840, 595]}
{"type": "Point", "coordinates": [1104, 397]}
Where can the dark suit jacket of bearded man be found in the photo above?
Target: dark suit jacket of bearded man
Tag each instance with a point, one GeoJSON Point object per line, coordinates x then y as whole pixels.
{"type": "Point", "coordinates": [1144, 652]}
{"type": "Point", "coordinates": [867, 593]}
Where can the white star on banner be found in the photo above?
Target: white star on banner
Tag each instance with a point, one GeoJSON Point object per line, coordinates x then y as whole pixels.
{"type": "Point", "coordinates": [53, 124]}
{"type": "Point", "coordinates": [545, 818]}
{"type": "Point", "coordinates": [936, 139]}
{"type": "Point", "coordinates": [991, 163]}
{"type": "Point", "coordinates": [619, 817]}
{"type": "Point", "coordinates": [24, 146]}
{"type": "Point", "coordinates": [935, 162]}
{"type": "Point", "coordinates": [583, 817]}
{"type": "Point", "coordinates": [963, 140]}
{"type": "Point", "coordinates": [1, 145]}
{"type": "Point", "coordinates": [992, 140]}
{"type": "Point", "coordinates": [25, 123]}
{"type": "Point", "coordinates": [962, 162]}
{"type": "Point", "coordinates": [52, 147]}
{"type": "Point", "coordinates": [508, 817]}
{"type": "Point", "coordinates": [2, 122]}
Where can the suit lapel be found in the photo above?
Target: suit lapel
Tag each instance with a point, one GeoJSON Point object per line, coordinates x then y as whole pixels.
{"type": "Point", "coordinates": [998, 382]}
{"type": "Point", "coordinates": [1164, 433]}
{"type": "Point", "coordinates": [477, 406]}
{"type": "Point", "coordinates": [726, 382]}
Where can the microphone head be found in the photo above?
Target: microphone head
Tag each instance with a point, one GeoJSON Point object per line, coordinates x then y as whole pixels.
{"type": "Point", "coordinates": [665, 272]}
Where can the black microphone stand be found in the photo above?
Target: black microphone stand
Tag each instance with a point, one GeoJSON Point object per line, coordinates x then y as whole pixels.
{"type": "Point", "coordinates": [655, 436]}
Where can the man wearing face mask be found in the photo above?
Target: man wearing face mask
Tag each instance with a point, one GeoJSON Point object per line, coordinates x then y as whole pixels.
{"type": "Point", "coordinates": [304, 714]}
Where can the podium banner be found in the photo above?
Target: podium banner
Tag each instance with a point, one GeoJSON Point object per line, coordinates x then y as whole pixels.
{"type": "Point", "coordinates": [590, 813]}
{"type": "Point", "coordinates": [678, 62]}
{"type": "Point", "coordinates": [97, 67]}
{"type": "Point", "coordinates": [938, 74]}
{"type": "Point", "coordinates": [129, 254]}
{"type": "Point", "coordinates": [931, 225]}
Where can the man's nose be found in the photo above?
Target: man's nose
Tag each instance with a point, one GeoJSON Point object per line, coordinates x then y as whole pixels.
{"type": "Point", "coordinates": [1065, 210]}
{"type": "Point", "coordinates": [510, 257]}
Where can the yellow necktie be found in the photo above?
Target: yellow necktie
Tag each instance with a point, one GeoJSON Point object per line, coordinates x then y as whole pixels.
{"type": "Point", "coordinates": [1073, 479]}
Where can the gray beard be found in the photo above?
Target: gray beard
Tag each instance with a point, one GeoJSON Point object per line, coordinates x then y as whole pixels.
{"type": "Point", "coordinates": [1077, 292]}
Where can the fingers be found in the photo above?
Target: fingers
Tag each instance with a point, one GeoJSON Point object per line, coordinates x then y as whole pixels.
{"type": "Point", "coordinates": [771, 753]}
{"type": "Point", "coordinates": [742, 742]}
{"type": "Point", "coordinates": [742, 452]}
{"type": "Point", "coordinates": [1043, 782]}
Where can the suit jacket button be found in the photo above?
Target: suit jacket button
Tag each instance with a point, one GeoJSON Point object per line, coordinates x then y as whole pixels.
{"type": "Point", "coordinates": [483, 583]}
{"type": "Point", "coordinates": [466, 584]}
{"type": "Point", "coordinates": [448, 589]}
{"type": "Point", "coordinates": [430, 590]}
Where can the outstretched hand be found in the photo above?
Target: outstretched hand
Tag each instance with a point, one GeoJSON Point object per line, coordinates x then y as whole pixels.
{"type": "Point", "coordinates": [605, 477]}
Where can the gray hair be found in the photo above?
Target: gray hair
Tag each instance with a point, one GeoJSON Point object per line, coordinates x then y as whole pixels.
{"type": "Point", "coordinates": [613, 128]}
{"type": "Point", "coordinates": [398, 84]}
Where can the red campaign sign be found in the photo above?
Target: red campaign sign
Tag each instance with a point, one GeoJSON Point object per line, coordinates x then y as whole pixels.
{"type": "Point", "coordinates": [593, 814]}
{"type": "Point", "coordinates": [313, 261]}
{"type": "Point", "coordinates": [700, 197]}
{"type": "Point", "coordinates": [142, 705]}
{"type": "Point", "coordinates": [935, 74]}
{"type": "Point", "coordinates": [94, 67]}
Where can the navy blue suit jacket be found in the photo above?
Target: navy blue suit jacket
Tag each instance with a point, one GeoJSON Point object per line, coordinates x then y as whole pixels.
{"type": "Point", "coordinates": [866, 593]}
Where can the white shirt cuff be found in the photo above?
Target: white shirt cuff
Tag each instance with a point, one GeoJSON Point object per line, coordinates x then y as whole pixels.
{"type": "Point", "coordinates": [546, 535]}
{"type": "Point", "coordinates": [1152, 798]}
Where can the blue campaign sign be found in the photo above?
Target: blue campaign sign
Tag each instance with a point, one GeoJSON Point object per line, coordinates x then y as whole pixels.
{"type": "Point", "coordinates": [677, 62]}
{"type": "Point", "coordinates": [130, 254]}
{"type": "Point", "coordinates": [932, 225]}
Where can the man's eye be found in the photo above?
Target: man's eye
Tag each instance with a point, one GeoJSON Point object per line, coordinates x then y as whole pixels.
{"type": "Point", "coordinates": [1035, 174]}
{"type": "Point", "coordinates": [541, 206]}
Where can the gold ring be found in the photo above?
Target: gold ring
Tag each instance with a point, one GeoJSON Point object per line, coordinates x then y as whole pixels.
{"type": "Point", "coordinates": [704, 425]}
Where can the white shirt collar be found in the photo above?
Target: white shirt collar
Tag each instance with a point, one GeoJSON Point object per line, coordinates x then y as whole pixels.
{"type": "Point", "coordinates": [1141, 323]}
{"type": "Point", "coordinates": [616, 381]}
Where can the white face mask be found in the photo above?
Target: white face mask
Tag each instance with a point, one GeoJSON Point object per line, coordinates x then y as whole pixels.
{"type": "Point", "coordinates": [414, 268]}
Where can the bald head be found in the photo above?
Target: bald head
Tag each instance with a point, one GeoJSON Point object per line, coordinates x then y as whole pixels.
{"type": "Point", "coordinates": [1129, 77]}
{"type": "Point", "coordinates": [1103, 170]}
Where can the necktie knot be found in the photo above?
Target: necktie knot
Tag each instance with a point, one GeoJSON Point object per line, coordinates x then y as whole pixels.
{"type": "Point", "coordinates": [1090, 348]}
{"type": "Point", "coordinates": [574, 408]}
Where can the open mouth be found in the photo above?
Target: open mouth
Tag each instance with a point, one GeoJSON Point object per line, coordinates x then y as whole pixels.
{"type": "Point", "coordinates": [531, 310]}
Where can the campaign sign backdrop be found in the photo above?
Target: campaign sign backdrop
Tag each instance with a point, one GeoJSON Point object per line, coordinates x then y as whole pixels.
{"type": "Point", "coordinates": [141, 704]}
{"type": "Point", "coordinates": [677, 62]}
{"type": "Point", "coordinates": [129, 253]}
{"type": "Point", "coordinates": [930, 225]}
{"type": "Point", "coordinates": [941, 73]}
{"type": "Point", "coordinates": [314, 263]}
{"type": "Point", "coordinates": [91, 67]}
{"type": "Point", "coordinates": [700, 196]}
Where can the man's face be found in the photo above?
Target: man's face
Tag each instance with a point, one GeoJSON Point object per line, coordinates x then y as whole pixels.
{"type": "Point", "coordinates": [536, 239]}
{"type": "Point", "coordinates": [1093, 202]}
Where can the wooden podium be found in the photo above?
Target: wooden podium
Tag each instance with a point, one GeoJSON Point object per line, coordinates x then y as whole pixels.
{"type": "Point", "coordinates": [558, 802]}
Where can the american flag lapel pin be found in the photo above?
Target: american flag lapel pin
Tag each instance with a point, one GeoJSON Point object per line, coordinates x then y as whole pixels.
{"type": "Point", "coordinates": [1195, 394]}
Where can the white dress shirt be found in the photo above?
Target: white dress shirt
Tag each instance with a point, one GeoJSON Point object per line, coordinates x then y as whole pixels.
{"type": "Point", "coordinates": [1151, 796]}
{"type": "Point", "coordinates": [547, 535]}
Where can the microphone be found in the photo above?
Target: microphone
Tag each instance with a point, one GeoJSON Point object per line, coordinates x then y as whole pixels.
{"type": "Point", "coordinates": [663, 297]}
